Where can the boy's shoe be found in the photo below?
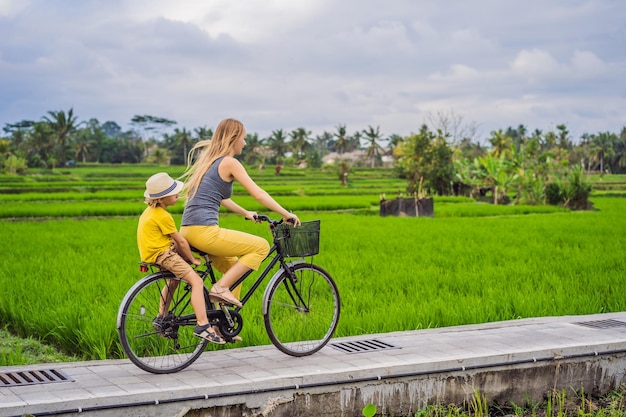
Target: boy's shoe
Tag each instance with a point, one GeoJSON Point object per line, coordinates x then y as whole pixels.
{"type": "Point", "coordinates": [206, 332]}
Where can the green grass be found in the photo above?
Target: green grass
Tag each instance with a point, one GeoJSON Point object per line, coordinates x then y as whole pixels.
{"type": "Point", "coordinates": [563, 403]}
{"type": "Point", "coordinates": [69, 257]}
{"type": "Point", "coordinates": [25, 351]}
{"type": "Point", "coordinates": [420, 272]}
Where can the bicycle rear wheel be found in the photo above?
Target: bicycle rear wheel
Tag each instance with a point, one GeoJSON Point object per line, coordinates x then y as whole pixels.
{"type": "Point", "coordinates": [167, 344]}
{"type": "Point", "coordinates": [302, 313]}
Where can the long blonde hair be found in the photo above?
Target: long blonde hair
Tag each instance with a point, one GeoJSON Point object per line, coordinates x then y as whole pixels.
{"type": "Point", "coordinates": [221, 144]}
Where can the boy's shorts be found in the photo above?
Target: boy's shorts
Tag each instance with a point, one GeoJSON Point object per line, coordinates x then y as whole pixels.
{"type": "Point", "coordinates": [174, 263]}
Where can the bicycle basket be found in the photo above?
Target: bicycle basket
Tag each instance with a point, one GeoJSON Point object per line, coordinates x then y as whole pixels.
{"type": "Point", "coordinates": [300, 241]}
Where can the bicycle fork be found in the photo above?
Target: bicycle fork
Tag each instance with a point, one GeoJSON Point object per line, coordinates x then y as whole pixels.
{"type": "Point", "coordinates": [294, 293]}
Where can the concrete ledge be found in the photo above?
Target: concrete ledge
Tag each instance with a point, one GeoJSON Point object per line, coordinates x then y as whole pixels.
{"type": "Point", "coordinates": [516, 361]}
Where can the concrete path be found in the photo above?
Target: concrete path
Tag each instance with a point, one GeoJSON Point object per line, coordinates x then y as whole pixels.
{"type": "Point", "coordinates": [232, 376]}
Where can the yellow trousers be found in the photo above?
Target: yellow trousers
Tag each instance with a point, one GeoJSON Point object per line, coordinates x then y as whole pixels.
{"type": "Point", "coordinates": [226, 246]}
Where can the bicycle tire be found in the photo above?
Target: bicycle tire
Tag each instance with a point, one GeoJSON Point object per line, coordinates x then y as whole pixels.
{"type": "Point", "coordinates": [301, 315]}
{"type": "Point", "coordinates": [173, 348]}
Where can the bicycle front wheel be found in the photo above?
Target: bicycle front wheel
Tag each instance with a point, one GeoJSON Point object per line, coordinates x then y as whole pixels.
{"type": "Point", "coordinates": [156, 323]}
{"type": "Point", "coordinates": [301, 312]}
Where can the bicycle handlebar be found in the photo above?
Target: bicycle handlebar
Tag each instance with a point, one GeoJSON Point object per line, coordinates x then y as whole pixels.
{"type": "Point", "coordinates": [263, 218]}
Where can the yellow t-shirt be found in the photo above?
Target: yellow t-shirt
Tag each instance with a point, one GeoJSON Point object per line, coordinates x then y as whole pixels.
{"type": "Point", "coordinates": [155, 226]}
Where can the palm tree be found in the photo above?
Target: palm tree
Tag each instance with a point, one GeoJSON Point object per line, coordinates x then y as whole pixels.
{"type": "Point", "coordinates": [619, 148]}
{"type": "Point", "coordinates": [322, 142]}
{"type": "Point", "coordinates": [39, 145]}
{"type": "Point", "coordinates": [394, 139]}
{"type": "Point", "coordinates": [250, 152]}
{"type": "Point", "coordinates": [563, 141]}
{"type": "Point", "coordinates": [185, 140]}
{"type": "Point", "coordinates": [111, 129]}
{"type": "Point", "coordinates": [63, 127]}
{"type": "Point", "coordinates": [584, 152]}
{"type": "Point", "coordinates": [277, 143]}
{"type": "Point", "coordinates": [160, 156]}
{"type": "Point", "coordinates": [518, 136]}
{"type": "Point", "coordinates": [501, 142]}
{"type": "Point", "coordinates": [300, 142]}
{"type": "Point", "coordinates": [521, 129]}
{"type": "Point", "coordinates": [131, 148]}
{"type": "Point", "coordinates": [549, 140]}
{"type": "Point", "coordinates": [602, 147]}
{"type": "Point", "coordinates": [341, 144]}
{"type": "Point", "coordinates": [203, 133]}
{"type": "Point", "coordinates": [92, 139]}
{"type": "Point", "coordinates": [82, 148]}
{"type": "Point", "coordinates": [373, 149]}
{"type": "Point", "coordinates": [179, 144]}
{"type": "Point", "coordinates": [354, 141]}
{"type": "Point", "coordinates": [470, 150]}
{"type": "Point", "coordinates": [563, 144]}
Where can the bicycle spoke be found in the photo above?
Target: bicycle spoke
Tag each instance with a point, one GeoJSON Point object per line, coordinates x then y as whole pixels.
{"type": "Point", "coordinates": [295, 295]}
{"type": "Point", "coordinates": [302, 311]}
{"type": "Point", "coordinates": [160, 345]}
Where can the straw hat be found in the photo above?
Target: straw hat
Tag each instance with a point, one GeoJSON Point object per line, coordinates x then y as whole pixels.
{"type": "Point", "coordinates": [162, 185]}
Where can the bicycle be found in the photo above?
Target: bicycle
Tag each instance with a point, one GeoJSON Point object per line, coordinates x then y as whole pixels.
{"type": "Point", "coordinates": [301, 305]}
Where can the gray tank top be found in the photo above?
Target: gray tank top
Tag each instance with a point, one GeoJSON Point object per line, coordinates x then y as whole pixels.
{"type": "Point", "coordinates": [203, 209]}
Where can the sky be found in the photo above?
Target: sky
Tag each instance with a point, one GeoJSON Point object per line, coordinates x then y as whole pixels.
{"type": "Point", "coordinates": [283, 64]}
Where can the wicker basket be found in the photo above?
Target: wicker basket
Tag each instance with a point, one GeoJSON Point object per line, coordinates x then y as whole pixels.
{"type": "Point", "coordinates": [297, 242]}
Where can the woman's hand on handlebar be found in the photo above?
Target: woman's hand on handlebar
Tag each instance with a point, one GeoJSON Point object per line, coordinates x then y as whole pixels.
{"type": "Point", "coordinates": [292, 219]}
{"type": "Point", "coordinates": [260, 218]}
{"type": "Point", "coordinates": [251, 215]}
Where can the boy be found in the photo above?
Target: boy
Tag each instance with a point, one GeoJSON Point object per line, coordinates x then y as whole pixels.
{"type": "Point", "coordinates": [160, 243]}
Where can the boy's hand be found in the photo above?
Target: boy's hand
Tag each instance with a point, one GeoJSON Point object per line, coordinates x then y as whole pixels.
{"type": "Point", "coordinates": [196, 261]}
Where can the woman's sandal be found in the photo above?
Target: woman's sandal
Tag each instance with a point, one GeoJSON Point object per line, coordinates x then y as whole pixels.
{"type": "Point", "coordinates": [224, 296]}
{"type": "Point", "coordinates": [206, 332]}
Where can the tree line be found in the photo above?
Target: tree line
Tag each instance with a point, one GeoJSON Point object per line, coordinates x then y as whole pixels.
{"type": "Point", "coordinates": [441, 154]}
{"type": "Point", "coordinates": [59, 138]}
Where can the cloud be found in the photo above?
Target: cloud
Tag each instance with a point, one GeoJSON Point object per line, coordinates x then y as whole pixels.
{"type": "Point", "coordinates": [586, 63]}
{"type": "Point", "coordinates": [316, 63]}
{"type": "Point", "coordinates": [536, 65]}
{"type": "Point", "coordinates": [247, 21]}
{"type": "Point", "coordinates": [12, 7]}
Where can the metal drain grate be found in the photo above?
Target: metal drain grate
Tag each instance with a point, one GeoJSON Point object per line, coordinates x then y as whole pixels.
{"type": "Point", "coordinates": [46, 376]}
{"type": "Point", "coordinates": [362, 346]}
{"type": "Point", "coordinates": [602, 324]}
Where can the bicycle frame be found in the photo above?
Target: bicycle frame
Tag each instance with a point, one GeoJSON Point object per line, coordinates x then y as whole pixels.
{"type": "Point", "coordinates": [277, 258]}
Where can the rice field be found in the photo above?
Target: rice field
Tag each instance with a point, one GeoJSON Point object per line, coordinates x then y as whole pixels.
{"type": "Point", "coordinates": [69, 256]}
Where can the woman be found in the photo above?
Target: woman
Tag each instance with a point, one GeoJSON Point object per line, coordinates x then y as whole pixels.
{"type": "Point", "coordinates": [209, 184]}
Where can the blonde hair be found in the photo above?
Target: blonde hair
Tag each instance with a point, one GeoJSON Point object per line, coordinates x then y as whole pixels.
{"type": "Point", "coordinates": [221, 144]}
